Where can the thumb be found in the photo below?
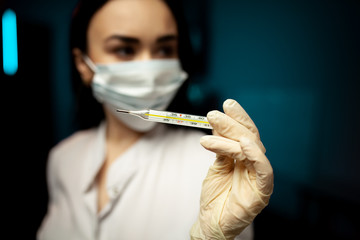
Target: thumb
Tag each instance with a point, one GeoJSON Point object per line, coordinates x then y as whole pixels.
{"type": "Point", "coordinates": [262, 166]}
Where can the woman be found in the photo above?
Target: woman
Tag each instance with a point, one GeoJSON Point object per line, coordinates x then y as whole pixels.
{"type": "Point", "coordinates": [131, 179]}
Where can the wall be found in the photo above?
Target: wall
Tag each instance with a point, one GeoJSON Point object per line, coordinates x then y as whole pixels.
{"type": "Point", "coordinates": [294, 67]}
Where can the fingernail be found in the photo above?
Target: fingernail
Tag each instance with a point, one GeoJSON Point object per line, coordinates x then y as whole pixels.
{"type": "Point", "coordinates": [204, 139]}
{"type": "Point", "coordinates": [212, 114]}
{"type": "Point", "coordinates": [229, 102]}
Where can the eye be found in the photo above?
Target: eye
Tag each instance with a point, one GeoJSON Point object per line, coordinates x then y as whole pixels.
{"type": "Point", "coordinates": [166, 52]}
{"type": "Point", "coordinates": [125, 52]}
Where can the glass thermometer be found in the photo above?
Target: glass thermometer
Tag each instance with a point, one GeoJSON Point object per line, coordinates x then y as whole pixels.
{"type": "Point", "coordinates": [170, 117]}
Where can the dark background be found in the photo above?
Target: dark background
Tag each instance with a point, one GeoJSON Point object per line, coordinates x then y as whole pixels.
{"type": "Point", "coordinates": [293, 65]}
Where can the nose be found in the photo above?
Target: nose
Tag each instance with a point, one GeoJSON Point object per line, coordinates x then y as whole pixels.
{"type": "Point", "coordinates": [144, 55]}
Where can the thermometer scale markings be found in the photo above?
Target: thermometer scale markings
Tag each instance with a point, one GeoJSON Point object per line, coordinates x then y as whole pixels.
{"type": "Point", "coordinates": [176, 118]}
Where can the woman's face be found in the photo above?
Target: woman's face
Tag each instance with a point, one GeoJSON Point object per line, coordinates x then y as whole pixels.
{"type": "Point", "coordinates": [126, 30]}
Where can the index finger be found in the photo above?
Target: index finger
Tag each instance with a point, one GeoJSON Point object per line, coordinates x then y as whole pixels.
{"type": "Point", "coordinates": [227, 127]}
{"type": "Point", "coordinates": [233, 109]}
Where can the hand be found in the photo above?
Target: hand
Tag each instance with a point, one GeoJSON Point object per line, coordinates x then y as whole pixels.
{"type": "Point", "coordinates": [239, 183]}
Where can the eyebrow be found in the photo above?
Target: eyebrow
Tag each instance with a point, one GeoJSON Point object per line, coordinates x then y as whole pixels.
{"type": "Point", "coordinates": [167, 38]}
{"type": "Point", "coordinates": [133, 40]}
{"type": "Point", "coordinates": [123, 39]}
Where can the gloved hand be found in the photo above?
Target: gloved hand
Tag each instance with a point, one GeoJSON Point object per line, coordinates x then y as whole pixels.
{"type": "Point", "coordinates": [239, 183]}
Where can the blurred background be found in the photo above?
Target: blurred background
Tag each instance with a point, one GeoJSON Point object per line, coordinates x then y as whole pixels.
{"type": "Point", "coordinates": [293, 65]}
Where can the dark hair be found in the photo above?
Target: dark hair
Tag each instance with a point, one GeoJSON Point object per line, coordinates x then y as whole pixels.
{"type": "Point", "coordinates": [89, 111]}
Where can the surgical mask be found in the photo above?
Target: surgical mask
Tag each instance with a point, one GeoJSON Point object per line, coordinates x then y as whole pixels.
{"type": "Point", "coordinates": [136, 85]}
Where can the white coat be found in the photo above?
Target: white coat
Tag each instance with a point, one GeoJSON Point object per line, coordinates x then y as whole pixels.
{"type": "Point", "coordinates": [154, 187]}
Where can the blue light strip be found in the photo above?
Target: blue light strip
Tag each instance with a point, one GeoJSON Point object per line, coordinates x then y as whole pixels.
{"type": "Point", "coordinates": [9, 40]}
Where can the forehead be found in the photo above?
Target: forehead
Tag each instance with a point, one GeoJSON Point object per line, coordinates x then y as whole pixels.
{"type": "Point", "coordinates": [137, 18]}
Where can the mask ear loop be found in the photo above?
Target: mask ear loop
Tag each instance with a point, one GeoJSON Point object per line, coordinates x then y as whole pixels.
{"type": "Point", "coordinates": [90, 63]}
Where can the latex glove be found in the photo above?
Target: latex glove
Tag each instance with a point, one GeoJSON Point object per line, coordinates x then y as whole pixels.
{"type": "Point", "coordinates": [239, 183]}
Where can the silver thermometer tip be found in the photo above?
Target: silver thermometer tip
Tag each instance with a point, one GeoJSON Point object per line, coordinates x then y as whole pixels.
{"type": "Point", "coordinates": [122, 111]}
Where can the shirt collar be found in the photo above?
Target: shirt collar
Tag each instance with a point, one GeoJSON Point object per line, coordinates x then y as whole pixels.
{"type": "Point", "coordinates": [95, 157]}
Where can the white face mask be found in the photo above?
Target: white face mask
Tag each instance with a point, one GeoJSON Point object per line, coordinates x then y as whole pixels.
{"type": "Point", "coordinates": [136, 85]}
